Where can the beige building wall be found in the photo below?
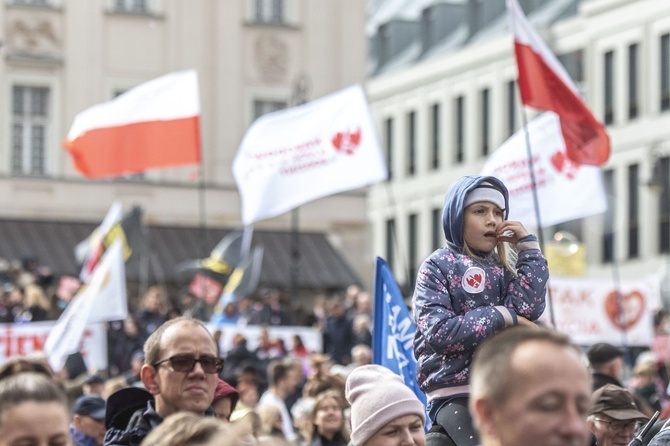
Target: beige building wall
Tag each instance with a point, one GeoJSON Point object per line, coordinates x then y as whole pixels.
{"type": "Point", "coordinates": [87, 51]}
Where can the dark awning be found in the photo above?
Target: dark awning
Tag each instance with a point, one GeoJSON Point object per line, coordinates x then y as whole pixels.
{"type": "Point", "coordinates": [52, 243]}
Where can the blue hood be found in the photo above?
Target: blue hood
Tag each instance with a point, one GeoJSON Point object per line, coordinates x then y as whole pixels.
{"type": "Point", "coordinates": [452, 213]}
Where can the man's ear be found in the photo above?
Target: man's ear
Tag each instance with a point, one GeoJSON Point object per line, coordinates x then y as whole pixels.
{"type": "Point", "coordinates": [484, 416]}
{"type": "Point", "coordinates": [149, 377]}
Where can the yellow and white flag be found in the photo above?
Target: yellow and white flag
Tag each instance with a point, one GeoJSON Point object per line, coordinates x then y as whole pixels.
{"type": "Point", "coordinates": [102, 299]}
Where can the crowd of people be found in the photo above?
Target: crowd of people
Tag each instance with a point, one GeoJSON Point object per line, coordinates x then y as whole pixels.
{"type": "Point", "coordinates": [492, 375]}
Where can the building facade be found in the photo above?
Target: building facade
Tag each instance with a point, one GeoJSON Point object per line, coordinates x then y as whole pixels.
{"type": "Point", "coordinates": [443, 90]}
{"type": "Point", "coordinates": [58, 57]}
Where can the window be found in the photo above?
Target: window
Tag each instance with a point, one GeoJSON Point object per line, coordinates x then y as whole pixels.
{"type": "Point", "coordinates": [131, 6]}
{"type": "Point", "coordinates": [633, 80]}
{"type": "Point", "coordinates": [435, 136]}
{"type": "Point", "coordinates": [428, 25]}
{"type": "Point", "coordinates": [30, 119]}
{"type": "Point", "coordinates": [459, 133]}
{"type": "Point", "coordinates": [388, 143]}
{"type": "Point", "coordinates": [269, 11]}
{"type": "Point", "coordinates": [412, 248]}
{"type": "Point", "coordinates": [608, 218]}
{"type": "Point", "coordinates": [383, 44]}
{"type": "Point", "coordinates": [31, 2]}
{"type": "Point", "coordinates": [390, 242]}
{"type": "Point", "coordinates": [633, 212]}
{"type": "Point", "coordinates": [573, 62]}
{"type": "Point", "coordinates": [263, 107]}
{"type": "Point", "coordinates": [411, 143]}
{"type": "Point", "coordinates": [608, 85]}
{"type": "Point", "coordinates": [511, 107]}
{"type": "Point", "coordinates": [665, 72]}
{"type": "Point", "coordinates": [436, 221]}
{"type": "Point", "coordinates": [485, 123]}
{"type": "Point", "coordinates": [664, 205]}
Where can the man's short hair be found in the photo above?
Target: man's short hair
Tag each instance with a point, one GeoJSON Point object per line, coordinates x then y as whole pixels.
{"type": "Point", "coordinates": [491, 367]}
{"type": "Point", "coordinates": [602, 353]}
{"type": "Point", "coordinates": [277, 371]}
{"type": "Point", "coordinates": [153, 345]}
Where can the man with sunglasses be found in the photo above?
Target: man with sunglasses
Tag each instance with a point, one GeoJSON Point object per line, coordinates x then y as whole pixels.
{"type": "Point", "coordinates": [614, 418]}
{"type": "Point", "coordinates": [180, 373]}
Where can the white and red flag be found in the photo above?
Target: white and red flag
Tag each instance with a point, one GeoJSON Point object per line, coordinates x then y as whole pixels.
{"type": "Point", "coordinates": [565, 190]}
{"type": "Point", "coordinates": [154, 125]}
{"type": "Point", "coordinates": [544, 84]}
{"type": "Point", "coordinates": [293, 156]}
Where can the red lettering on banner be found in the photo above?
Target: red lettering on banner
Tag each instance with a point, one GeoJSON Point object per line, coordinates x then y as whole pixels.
{"type": "Point", "coordinates": [578, 327]}
{"type": "Point", "coordinates": [573, 297]}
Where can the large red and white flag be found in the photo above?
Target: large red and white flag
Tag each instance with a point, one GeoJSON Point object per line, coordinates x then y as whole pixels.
{"type": "Point", "coordinates": [544, 84]}
{"type": "Point", "coordinates": [154, 125]}
{"type": "Point", "coordinates": [293, 156]}
{"type": "Point", "coordinates": [565, 190]}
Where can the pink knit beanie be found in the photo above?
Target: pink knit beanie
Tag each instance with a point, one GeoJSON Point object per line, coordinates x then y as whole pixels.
{"type": "Point", "coordinates": [377, 397]}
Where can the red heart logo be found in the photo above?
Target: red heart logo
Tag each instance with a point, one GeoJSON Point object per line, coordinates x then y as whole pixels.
{"type": "Point", "coordinates": [474, 280]}
{"type": "Point", "coordinates": [627, 314]}
{"type": "Point", "coordinates": [558, 160]}
{"type": "Point", "coordinates": [347, 142]}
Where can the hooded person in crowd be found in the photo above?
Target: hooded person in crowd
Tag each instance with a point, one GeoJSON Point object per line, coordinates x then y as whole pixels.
{"type": "Point", "coordinates": [490, 275]}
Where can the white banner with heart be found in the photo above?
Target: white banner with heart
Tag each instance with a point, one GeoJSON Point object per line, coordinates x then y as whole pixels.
{"type": "Point", "coordinates": [592, 311]}
{"type": "Point", "coordinates": [566, 190]}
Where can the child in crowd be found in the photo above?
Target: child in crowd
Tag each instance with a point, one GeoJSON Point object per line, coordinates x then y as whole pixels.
{"type": "Point", "coordinates": [468, 290]}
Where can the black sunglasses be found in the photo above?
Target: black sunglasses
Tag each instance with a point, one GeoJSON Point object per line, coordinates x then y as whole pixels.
{"type": "Point", "coordinates": [186, 363]}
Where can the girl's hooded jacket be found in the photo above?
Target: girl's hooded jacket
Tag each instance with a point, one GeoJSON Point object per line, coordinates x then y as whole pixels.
{"type": "Point", "coordinates": [459, 301]}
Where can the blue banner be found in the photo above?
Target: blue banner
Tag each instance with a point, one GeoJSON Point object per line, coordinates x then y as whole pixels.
{"type": "Point", "coordinates": [393, 329]}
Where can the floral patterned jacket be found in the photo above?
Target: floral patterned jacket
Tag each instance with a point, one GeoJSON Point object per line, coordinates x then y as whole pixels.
{"type": "Point", "coordinates": [460, 301]}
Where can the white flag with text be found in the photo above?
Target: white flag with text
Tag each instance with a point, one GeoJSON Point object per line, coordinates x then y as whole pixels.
{"type": "Point", "coordinates": [566, 190]}
{"type": "Point", "coordinates": [293, 156]}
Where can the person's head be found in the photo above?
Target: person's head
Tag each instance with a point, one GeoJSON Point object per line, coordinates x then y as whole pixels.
{"type": "Point", "coordinates": [189, 429]}
{"type": "Point", "coordinates": [279, 379]}
{"type": "Point", "coordinates": [296, 342]}
{"type": "Point", "coordinates": [33, 410]}
{"type": "Point", "coordinates": [35, 296]}
{"type": "Point", "coordinates": [88, 417]}
{"type": "Point", "coordinates": [246, 423]}
{"type": "Point", "coordinates": [302, 414]}
{"type": "Point", "coordinates": [328, 413]}
{"type": "Point", "coordinates": [270, 417]}
{"type": "Point", "coordinates": [614, 417]}
{"type": "Point", "coordinates": [530, 386]}
{"type": "Point", "coordinates": [225, 400]}
{"type": "Point", "coordinates": [473, 207]}
{"type": "Point", "coordinates": [248, 393]}
{"type": "Point", "coordinates": [94, 385]}
{"type": "Point", "coordinates": [364, 302]}
{"type": "Point", "coordinates": [181, 366]}
{"type": "Point", "coordinates": [384, 411]}
{"type": "Point", "coordinates": [606, 359]}
{"type": "Point", "coordinates": [361, 354]}
{"type": "Point", "coordinates": [114, 384]}
{"type": "Point", "coordinates": [295, 375]}
{"type": "Point", "coordinates": [155, 299]}
{"type": "Point", "coordinates": [19, 364]}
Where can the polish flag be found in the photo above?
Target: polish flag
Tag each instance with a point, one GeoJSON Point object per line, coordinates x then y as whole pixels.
{"type": "Point", "coordinates": [545, 85]}
{"type": "Point", "coordinates": [154, 125]}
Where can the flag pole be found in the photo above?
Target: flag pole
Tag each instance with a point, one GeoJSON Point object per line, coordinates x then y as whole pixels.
{"type": "Point", "coordinates": [298, 97]}
{"type": "Point", "coordinates": [616, 279]}
{"type": "Point", "coordinates": [536, 204]}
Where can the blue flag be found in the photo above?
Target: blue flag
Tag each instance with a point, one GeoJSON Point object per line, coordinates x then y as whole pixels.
{"type": "Point", "coordinates": [393, 330]}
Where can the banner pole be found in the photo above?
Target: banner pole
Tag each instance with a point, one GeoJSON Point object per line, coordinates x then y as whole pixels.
{"type": "Point", "coordinates": [536, 205]}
